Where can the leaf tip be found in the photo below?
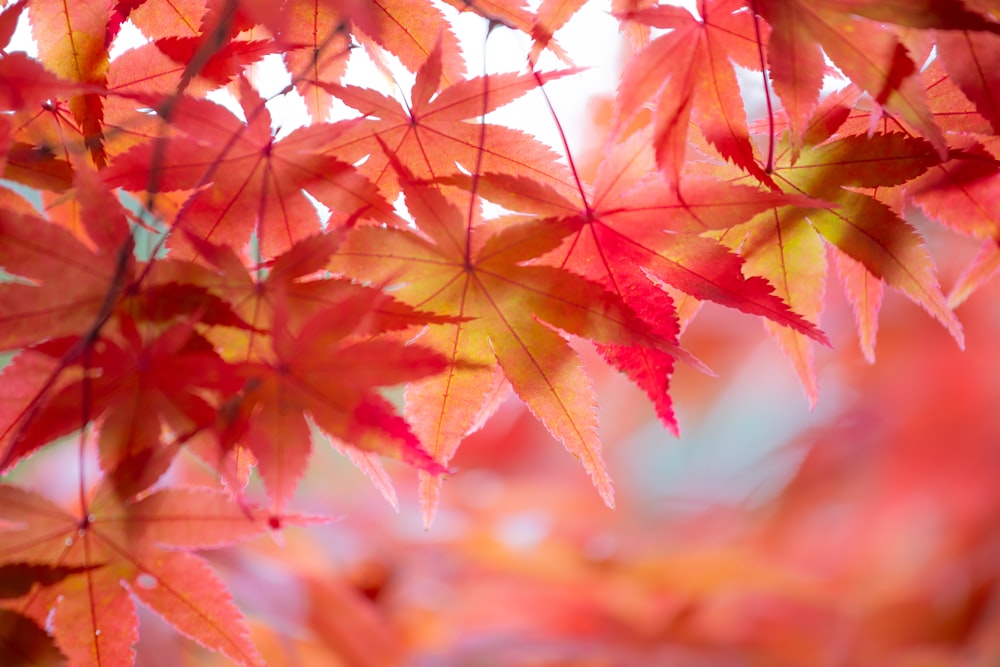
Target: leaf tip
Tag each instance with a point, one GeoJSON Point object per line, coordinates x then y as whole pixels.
{"type": "Point", "coordinates": [602, 482]}
{"type": "Point", "coordinates": [954, 327]}
{"type": "Point", "coordinates": [868, 351]}
{"type": "Point", "coordinates": [959, 336]}
{"type": "Point", "coordinates": [430, 497]}
{"type": "Point", "coordinates": [608, 495]}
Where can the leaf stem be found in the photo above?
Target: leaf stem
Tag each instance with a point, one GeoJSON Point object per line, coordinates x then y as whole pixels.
{"type": "Point", "coordinates": [562, 138]}
{"type": "Point", "coordinates": [85, 410]}
{"type": "Point", "coordinates": [769, 167]}
{"type": "Point", "coordinates": [482, 144]}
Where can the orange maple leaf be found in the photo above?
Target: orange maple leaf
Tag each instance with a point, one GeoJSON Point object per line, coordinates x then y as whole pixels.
{"type": "Point", "coordinates": [784, 245]}
{"type": "Point", "coordinates": [117, 550]}
{"type": "Point", "coordinates": [512, 310]}
{"type": "Point", "coordinates": [433, 133]}
{"type": "Point", "coordinates": [73, 44]}
{"type": "Point", "coordinates": [869, 53]}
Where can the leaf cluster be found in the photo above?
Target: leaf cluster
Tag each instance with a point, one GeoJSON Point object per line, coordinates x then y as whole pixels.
{"type": "Point", "coordinates": [270, 285]}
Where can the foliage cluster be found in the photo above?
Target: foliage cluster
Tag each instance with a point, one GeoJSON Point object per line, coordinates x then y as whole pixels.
{"type": "Point", "coordinates": [268, 286]}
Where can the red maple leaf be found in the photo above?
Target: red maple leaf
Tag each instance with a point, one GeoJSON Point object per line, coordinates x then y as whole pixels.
{"type": "Point", "coordinates": [249, 182]}
{"type": "Point", "coordinates": [633, 234]}
{"type": "Point", "coordinates": [135, 389]}
{"type": "Point", "coordinates": [689, 74]}
{"type": "Point", "coordinates": [302, 329]}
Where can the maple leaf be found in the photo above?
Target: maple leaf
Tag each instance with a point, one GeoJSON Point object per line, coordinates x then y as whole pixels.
{"type": "Point", "coordinates": [887, 160]}
{"type": "Point", "coordinates": [135, 389]}
{"type": "Point", "coordinates": [483, 274]}
{"type": "Point", "coordinates": [208, 33]}
{"type": "Point", "coordinates": [870, 54]}
{"type": "Point", "coordinates": [40, 144]}
{"type": "Point", "coordinates": [549, 17]}
{"type": "Point", "coordinates": [318, 35]}
{"type": "Point", "coordinates": [300, 334]}
{"type": "Point", "coordinates": [72, 43]}
{"type": "Point", "coordinates": [159, 70]}
{"type": "Point", "coordinates": [25, 377]}
{"type": "Point", "coordinates": [225, 63]}
{"type": "Point", "coordinates": [783, 245]}
{"type": "Point", "coordinates": [8, 22]}
{"type": "Point", "coordinates": [24, 83]}
{"type": "Point", "coordinates": [689, 73]}
{"type": "Point", "coordinates": [959, 192]}
{"type": "Point", "coordinates": [411, 31]}
{"type": "Point", "coordinates": [137, 379]}
{"type": "Point", "coordinates": [971, 61]}
{"type": "Point", "coordinates": [296, 382]}
{"type": "Point", "coordinates": [638, 34]}
{"type": "Point", "coordinates": [4, 147]}
{"type": "Point", "coordinates": [255, 183]}
{"type": "Point", "coordinates": [320, 29]}
{"type": "Point", "coordinates": [65, 284]}
{"type": "Point", "coordinates": [122, 550]}
{"type": "Point", "coordinates": [432, 135]}
{"type": "Point", "coordinates": [293, 283]}
{"type": "Point", "coordinates": [24, 643]}
{"type": "Point", "coordinates": [951, 107]}
{"type": "Point", "coordinates": [983, 267]}
{"type": "Point", "coordinates": [179, 58]}
{"type": "Point", "coordinates": [514, 14]}
{"type": "Point", "coordinates": [865, 293]}
{"type": "Point", "coordinates": [633, 234]}
{"type": "Point", "coordinates": [793, 258]}
{"type": "Point", "coordinates": [166, 18]}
